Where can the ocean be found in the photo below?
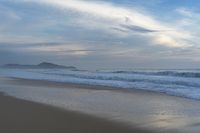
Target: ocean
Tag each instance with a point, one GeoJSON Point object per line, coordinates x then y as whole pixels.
{"type": "Point", "coordinates": [182, 83]}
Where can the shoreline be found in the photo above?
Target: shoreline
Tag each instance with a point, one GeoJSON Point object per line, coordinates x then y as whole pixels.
{"type": "Point", "coordinates": [156, 112]}
{"type": "Point", "coordinates": [20, 116]}
{"type": "Point", "coordinates": [45, 83]}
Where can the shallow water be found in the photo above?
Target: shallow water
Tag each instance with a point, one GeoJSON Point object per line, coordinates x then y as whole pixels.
{"type": "Point", "coordinates": [183, 83]}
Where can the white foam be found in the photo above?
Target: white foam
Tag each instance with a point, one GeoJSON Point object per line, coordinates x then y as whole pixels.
{"type": "Point", "coordinates": [174, 85]}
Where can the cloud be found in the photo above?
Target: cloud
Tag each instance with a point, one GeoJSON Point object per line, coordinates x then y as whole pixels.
{"type": "Point", "coordinates": [73, 49]}
{"type": "Point", "coordinates": [94, 32]}
{"type": "Point", "coordinates": [8, 14]}
{"type": "Point", "coordinates": [186, 12]}
{"type": "Point", "coordinates": [120, 21]}
{"type": "Point", "coordinates": [189, 20]}
{"type": "Point", "coordinates": [138, 29]}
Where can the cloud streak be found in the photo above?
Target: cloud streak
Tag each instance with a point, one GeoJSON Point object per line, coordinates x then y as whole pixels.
{"type": "Point", "coordinates": [105, 16]}
{"type": "Point", "coordinates": [97, 30]}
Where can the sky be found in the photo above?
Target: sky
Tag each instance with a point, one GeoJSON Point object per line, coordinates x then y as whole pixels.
{"type": "Point", "coordinates": [101, 34]}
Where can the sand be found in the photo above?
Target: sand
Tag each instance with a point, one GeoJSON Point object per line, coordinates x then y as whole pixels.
{"type": "Point", "coordinates": [94, 109]}
{"type": "Point", "coordinates": [19, 116]}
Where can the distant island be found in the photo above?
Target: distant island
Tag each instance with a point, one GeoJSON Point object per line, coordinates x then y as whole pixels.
{"type": "Point", "coordinates": [43, 65]}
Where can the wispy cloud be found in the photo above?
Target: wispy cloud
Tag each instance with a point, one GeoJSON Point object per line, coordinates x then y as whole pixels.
{"type": "Point", "coordinates": [117, 20]}
{"type": "Point", "coordinates": [93, 30]}
{"type": "Point", "coordinates": [62, 49]}
{"type": "Point", "coordinates": [138, 29]}
{"type": "Point", "coordinates": [189, 20]}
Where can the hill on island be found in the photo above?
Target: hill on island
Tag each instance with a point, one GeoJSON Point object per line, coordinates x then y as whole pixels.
{"type": "Point", "coordinates": [43, 65]}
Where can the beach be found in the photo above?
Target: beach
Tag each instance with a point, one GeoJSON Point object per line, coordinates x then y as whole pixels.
{"type": "Point", "coordinates": [19, 116]}
{"type": "Point", "coordinates": [99, 66]}
{"type": "Point", "coordinates": [44, 106]}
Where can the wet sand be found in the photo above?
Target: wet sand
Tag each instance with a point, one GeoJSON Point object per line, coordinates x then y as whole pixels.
{"type": "Point", "coordinates": [103, 109]}
{"type": "Point", "coordinates": [19, 116]}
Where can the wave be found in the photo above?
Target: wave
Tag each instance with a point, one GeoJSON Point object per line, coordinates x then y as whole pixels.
{"type": "Point", "coordinates": [165, 73]}
{"type": "Point", "coordinates": [133, 78]}
{"type": "Point", "coordinates": [180, 74]}
{"type": "Point", "coordinates": [185, 84]}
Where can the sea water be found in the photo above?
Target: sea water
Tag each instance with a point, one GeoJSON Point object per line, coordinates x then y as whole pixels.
{"type": "Point", "coordinates": [183, 83]}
